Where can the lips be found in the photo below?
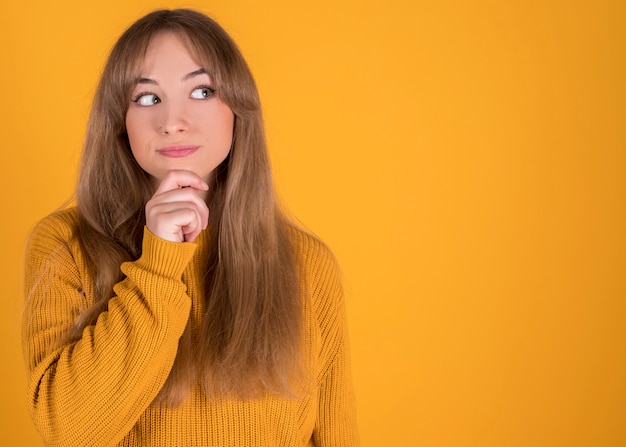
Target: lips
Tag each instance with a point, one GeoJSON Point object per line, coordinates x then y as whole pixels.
{"type": "Point", "coordinates": [178, 151]}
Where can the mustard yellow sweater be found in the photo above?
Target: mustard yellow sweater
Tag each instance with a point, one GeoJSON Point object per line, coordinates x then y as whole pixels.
{"type": "Point", "coordinates": [99, 391]}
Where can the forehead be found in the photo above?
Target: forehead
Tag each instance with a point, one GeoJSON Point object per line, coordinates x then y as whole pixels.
{"type": "Point", "coordinates": [169, 49]}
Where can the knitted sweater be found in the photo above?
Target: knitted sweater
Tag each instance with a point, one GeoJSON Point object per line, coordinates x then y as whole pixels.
{"type": "Point", "coordinates": [99, 391]}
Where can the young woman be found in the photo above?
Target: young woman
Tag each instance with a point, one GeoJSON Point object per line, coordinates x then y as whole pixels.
{"type": "Point", "coordinates": [175, 305]}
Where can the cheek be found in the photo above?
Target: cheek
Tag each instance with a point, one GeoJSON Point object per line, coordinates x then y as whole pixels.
{"type": "Point", "coordinates": [227, 133]}
{"type": "Point", "coordinates": [136, 137]}
{"type": "Point", "coordinates": [226, 125]}
{"type": "Point", "coordinates": [134, 130]}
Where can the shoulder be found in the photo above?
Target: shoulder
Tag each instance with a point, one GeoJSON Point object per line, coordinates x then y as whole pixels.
{"type": "Point", "coordinates": [319, 271]}
{"type": "Point", "coordinates": [312, 254]}
{"type": "Point", "coordinates": [53, 232]}
{"type": "Point", "coordinates": [61, 222]}
{"type": "Point", "coordinates": [323, 291]}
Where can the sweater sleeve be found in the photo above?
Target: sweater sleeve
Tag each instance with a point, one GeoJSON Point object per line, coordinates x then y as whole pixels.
{"type": "Point", "coordinates": [92, 391]}
{"type": "Point", "coordinates": [336, 423]}
{"type": "Point", "coordinates": [336, 420]}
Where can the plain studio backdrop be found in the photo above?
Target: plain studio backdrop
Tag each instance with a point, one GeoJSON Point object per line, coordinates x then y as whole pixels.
{"type": "Point", "coordinates": [465, 160]}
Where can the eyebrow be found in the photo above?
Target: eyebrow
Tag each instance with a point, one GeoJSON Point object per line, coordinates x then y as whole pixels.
{"type": "Point", "coordinates": [193, 74]}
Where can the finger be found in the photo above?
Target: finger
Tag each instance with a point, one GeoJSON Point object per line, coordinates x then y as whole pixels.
{"type": "Point", "coordinates": [174, 221]}
{"type": "Point", "coordinates": [180, 196]}
{"type": "Point", "coordinates": [181, 179]}
{"type": "Point", "coordinates": [195, 226]}
{"type": "Point", "coordinates": [190, 232]}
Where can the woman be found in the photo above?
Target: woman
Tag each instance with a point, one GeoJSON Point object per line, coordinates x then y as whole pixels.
{"type": "Point", "coordinates": [175, 305]}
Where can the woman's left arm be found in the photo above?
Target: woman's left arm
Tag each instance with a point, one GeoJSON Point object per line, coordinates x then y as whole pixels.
{"type": "Point", "coordinates": [336, 418]}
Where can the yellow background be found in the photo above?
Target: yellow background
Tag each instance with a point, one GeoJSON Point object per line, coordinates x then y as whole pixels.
{"type": "Point", "coordinates": [465, 160]}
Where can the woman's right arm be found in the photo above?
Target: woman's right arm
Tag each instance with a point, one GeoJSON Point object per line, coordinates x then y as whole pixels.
{"type": "Point", "coordinates": [92, 391]}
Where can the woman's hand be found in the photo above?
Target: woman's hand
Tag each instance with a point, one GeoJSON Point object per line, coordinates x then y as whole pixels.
{"type": "Point", "coordinates": [177, 211]}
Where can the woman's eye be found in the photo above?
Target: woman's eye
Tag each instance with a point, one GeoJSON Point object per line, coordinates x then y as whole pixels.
{"type": "Point", "coordinates": [202, 93]}
{"type": "Point", "coordinates": [147, 99]}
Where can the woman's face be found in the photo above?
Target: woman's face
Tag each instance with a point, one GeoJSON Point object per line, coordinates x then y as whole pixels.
{"type": "Point", "coordinates": [174, 120]}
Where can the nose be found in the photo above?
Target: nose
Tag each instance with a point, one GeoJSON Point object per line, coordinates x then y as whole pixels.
{"type": "Point", "coordinates": [173, 119]}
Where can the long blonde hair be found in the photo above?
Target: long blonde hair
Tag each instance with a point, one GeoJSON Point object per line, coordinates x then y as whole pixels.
{"type": "Point", "coordinates": [252, 292]}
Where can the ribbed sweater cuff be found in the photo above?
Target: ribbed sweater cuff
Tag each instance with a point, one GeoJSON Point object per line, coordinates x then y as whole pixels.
{"type": "Point", "coordinates": [164, 257]}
